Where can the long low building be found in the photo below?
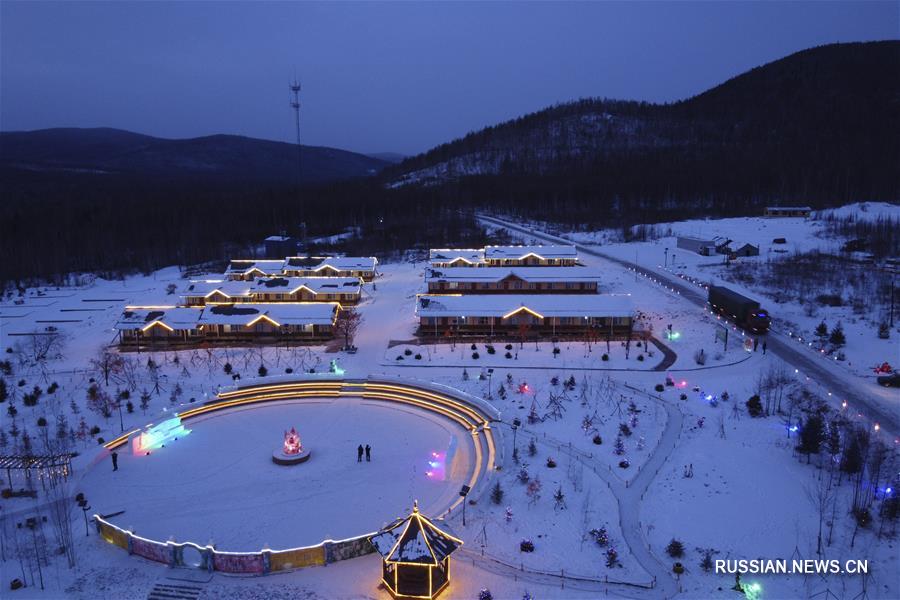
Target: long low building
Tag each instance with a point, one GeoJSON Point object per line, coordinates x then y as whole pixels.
{"type": "Point", "coordinates": [362, 267]}
{"type": "Point", "coordinates": [503, 314]}
{"type": "Point", "coordinates": [330, 266]}
{"type": "Point", "coordinates": [345, 290]}
{"type": "Point", "coordinates": [163, 326]}
{"type": "Point", "coordinates": [505, 256]}
{"type": "Point", "coordinates": [505, 280]}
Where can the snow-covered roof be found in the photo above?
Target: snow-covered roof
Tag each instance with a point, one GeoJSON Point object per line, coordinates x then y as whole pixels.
{"type": "Point", "coordinates": [338, 263]}
{"type": "Point", "coordinates": [316, 285]}
{"type": "Point", "coordinates": [168, 317]}
{"type": "Point", "coordinates": [492, 274]}
{"type": "Point", "coordinates": [278, 238]}
{"type": "Point", "coordinates": [544, 305]}
{"type": "Point", "coordinates": [415, 539]}
{"type": "Point", "coordinates": [791, 208]}
{"type": "Point", "coordinates": [278, 313]}
{"type": "Point", "coordinates": [519, 252]}
{"type": "Point", "coordinates": [448, 255]}
{"type": "Point", "coordinates": [244, 266]}
{"type": "Point", "coordinates": [227, 288]}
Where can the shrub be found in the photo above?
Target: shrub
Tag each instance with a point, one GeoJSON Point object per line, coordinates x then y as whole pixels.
{"type": "Point", "coordinates": [263, 371]}
{"type": "Point", "coordinates": [555, 350]}
{"type": "Point", "coordinates": [508, 346]}
{"type": "Point", "coordinates": [754, 406]}
{"type": "Point", "coordinates": [675, 549]}
{"type": "Point", "coordinates": [42, 422]}
{"type": "Point", "coordinates": [52, 388]}
{"type": "Point", "coordinates": [475, 356]}
{"type": "Point", "coordinates": [678, 568]}
{"type": "Point", "coordinates": [289, 370]}
{"type": "Point", "coordinates": [100, 441]}
{"type": "Point", "coordinates": [473, 347]}
{"type": "Point", "coordinates": [683, 396]}
{"type": "Point", "coordinates": [95, 430]}
{"type": "Point", "coordinates": [551, 464]}
{"type": "Point", "coordinates": [407, 352]}
{"type": "Point", "coordinates": [418, 357]}
{"type": "Point", "coordinates": [605, 357]}
{"type": "Point", "coordinates": [598, 440]}
{"type": "Point", "coordinates": [863, 517]}
{"type": "Point", "coordinates": [490, 349]}
{"type": "Point", "coordinates": [624, 464]}
{"type": "Point", "coordinates": [526, 545]}
{"type": "Point", "coordinates": [399, 357]}
{"type": "Point", "coordinates": [129, 406]}
{"type": "Point", "coordinates": [625, 429]}
{"type": "Point", "coordinates": [228, 368]}
{"type": "Point", "coordinates": [508, 355]}
{"type": "Point", "coordinates": [659, 387]}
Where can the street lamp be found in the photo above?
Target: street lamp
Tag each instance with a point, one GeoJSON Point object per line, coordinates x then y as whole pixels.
{"type": "Point", "coordinates": [464, 491]}
{"type": "Point", "coordinates": [490, 384]}
{"type": "Point", "coordinates": [515, 427]}
{"type": "Point", "coordinates": [85, 507]}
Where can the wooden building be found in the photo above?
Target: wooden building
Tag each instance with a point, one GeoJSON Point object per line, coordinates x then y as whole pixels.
{"type": "Point", "coordinates": [787, 211]}
{"type": "Point", "coordinates": [443, 258]}
{"type": "Point", "coordinates": [599, 315]}
{"type": "Point", "coordinates": [361, 267]}
{"type": "Point", "coordinates": [345, 290]}
{"type": "Point", "coordinates": [168, 326]}
{"type": "Point", "coordinates": [250, 269]}
{"type": "Point", "coordinates": [415, 556]}
{"type": "Point", "coordinates": [506, 280]}
{"type": "Point", "coordinates": [530, 256]}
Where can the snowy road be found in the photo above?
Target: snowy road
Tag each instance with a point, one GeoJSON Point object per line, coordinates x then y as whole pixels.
{"type": "Point", "coordinates": [880, 406]}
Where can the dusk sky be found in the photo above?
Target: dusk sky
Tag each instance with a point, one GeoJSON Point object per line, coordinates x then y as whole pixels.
{"type": "Point", "coordinates": [376, 77]}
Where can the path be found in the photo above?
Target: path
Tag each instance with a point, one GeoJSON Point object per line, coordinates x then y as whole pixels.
{"type": "Point", "coordinates": [877, 408]}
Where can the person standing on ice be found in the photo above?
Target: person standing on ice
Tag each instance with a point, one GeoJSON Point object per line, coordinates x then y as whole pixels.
{"type": "Point", "coordinates": [755, 343]}
{"type": "Point", "coordinates": [368, 453]}
{"type": "Point", "coordinates": [115, 459]}
{"type": "Point", "coordinates": [359, 452]}
{"type": "Point", "coordinates": [764, 347]}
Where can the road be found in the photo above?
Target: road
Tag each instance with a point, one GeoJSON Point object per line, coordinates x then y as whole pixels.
{"type": "Point", "coordinates": [879, 408]}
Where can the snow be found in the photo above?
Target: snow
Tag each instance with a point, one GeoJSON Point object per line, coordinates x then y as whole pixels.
{"type": "Point", "coordinates": [748, 497]}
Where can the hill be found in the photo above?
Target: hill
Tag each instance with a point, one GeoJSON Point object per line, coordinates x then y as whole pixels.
{"type": "Point", "coordinates": [816, 127]}
{"type": "Point", "coordinates": [104, 151]}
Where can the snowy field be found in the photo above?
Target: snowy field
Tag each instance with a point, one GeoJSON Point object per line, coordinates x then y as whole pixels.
{"type": "Point", "coordinates": [219, 483]}
{"type": "Point", "coordinates": [750, 494]}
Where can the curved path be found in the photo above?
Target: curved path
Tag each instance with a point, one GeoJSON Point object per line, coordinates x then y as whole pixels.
{"type": "Point", "coordinates": [628, 497]}
{"type": "Point", "coordinates": [841, 384]}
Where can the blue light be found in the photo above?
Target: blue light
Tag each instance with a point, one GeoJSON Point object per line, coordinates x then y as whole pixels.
{"type": "Point", "coordinates": [793, 429]}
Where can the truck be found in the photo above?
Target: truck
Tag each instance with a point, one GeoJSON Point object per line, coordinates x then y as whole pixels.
{"type": "Point", "coordinates": [740, 309]}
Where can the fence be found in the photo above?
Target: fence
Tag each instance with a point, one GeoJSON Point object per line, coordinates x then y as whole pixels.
{"type": "Point", "coordinates": [262, 562]}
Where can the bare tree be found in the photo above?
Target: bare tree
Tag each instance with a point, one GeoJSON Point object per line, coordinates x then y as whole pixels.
{"type": "Point", "coordinates": [820, 494]}
{"type": "Point", "coordinates": [107, 363]}
{"type": "Point", "coordinates": [347, 325]}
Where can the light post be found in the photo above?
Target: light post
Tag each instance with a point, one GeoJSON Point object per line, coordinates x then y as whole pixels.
{"type": "Point", "coordinates": [464, 491]}
{"type": "Point", "coordinates": [666, 255]}
{"type": "Point", "coordinates": [490, 384]}
{"type": "Point", "coordinates": [515, 427]}
{"type": "Point", "coordinates": [85, 507]}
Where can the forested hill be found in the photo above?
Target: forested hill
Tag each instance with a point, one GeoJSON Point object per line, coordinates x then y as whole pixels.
{"type": "Point", "coordinates": [220, 158]}
{"type": "Point", "coordinates": [819, 126]}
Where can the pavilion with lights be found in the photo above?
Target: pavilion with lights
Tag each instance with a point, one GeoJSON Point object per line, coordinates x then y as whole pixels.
{"type": "Point", "coordinates": [415, 556]}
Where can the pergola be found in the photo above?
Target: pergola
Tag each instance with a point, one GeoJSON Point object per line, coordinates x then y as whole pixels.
{"type": "Point", "coordinates": [56, 465]}
{"type": "Point", "coordinates": [415, 556]}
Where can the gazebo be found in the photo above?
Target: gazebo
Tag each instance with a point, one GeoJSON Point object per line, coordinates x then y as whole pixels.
{"type": "Point", "coordinates": [415, 556]}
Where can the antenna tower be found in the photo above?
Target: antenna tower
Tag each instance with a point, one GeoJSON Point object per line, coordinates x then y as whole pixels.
{"type": "Point", "coordinates": [295, 104]}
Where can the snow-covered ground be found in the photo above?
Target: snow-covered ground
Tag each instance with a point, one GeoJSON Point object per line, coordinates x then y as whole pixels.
{"type": "Point", "coordinates": [748, 496]}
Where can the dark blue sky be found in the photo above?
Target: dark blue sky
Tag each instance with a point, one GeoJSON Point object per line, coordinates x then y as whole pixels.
{"type": "Point", "coordinates": [382, 76]}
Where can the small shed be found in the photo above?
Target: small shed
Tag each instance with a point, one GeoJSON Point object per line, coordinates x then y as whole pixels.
{"type": "Point", "coordinates": [743, 249]}
{"type": "Point", "coordinates": [698, 245]}
{"type": "Point", "coordinates": [415, 556]}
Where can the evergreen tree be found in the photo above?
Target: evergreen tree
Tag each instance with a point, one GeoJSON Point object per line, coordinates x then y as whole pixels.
{"type": "Point", "coordinates": [675, 549]}
{"type": "Point", "coordinates": [852, 459]}
{"type": "Point", "coordinates": [822, 330]}
{"type": "Point", "coordinates": [532, 448]}
{"type": "Point", "coordinates": [4, 393]}
{"type": "Point", "coordinates": [497, 494]}
{"type": "Point", "coordinates": [812, 434]}
{"type": "Point", "coordinates": [837, 336]}
{"type": "Point", "coordinates": [754, 406]}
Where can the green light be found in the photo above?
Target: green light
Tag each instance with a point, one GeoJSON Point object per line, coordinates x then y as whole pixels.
{"type": "Point", "coordinates": [752, 591]}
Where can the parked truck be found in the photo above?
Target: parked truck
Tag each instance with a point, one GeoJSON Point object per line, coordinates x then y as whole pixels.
{"type": "Point", "coordinates": [740, 309]}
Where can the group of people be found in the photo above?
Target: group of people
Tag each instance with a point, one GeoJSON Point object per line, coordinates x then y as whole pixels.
{"type": "Point", "coordinates": [367, 450]}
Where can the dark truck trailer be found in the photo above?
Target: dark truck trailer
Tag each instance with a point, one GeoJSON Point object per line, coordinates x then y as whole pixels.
{"type": "Point", "coordinates": [740, 309]}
